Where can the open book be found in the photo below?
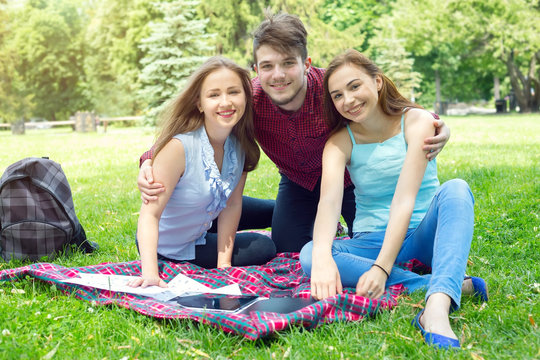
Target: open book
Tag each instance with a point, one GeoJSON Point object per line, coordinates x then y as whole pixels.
{"type": "Point", "coordinates": [180, 285]}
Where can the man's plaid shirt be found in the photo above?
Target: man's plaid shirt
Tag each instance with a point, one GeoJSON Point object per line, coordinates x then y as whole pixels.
{"type": "Point", "coordinates": [294, 141]}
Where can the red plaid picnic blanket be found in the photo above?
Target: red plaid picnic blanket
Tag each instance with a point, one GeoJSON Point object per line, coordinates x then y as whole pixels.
{"type": "Point", "coordinates": [281, 273]}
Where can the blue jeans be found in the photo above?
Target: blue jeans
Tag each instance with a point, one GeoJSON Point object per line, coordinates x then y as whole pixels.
{"type": "Point", "coordinates": [295, 211]}
{"type": "Point", "coordinates": [441, 241]}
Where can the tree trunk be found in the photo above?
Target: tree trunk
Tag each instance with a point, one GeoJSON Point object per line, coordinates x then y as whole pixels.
{"type": "Point", "coordinates": [437, 87]}
{"type": "Point", "coordinates": [522, 85]}
{"type": "Point", "coordinates": [535, 81]}
{"type": "Point", "coordinates": [496, 88]}
{"type": "Point", "coordinates": [440, 108]}
{"type": "Point", "coordinates": [17, 128]}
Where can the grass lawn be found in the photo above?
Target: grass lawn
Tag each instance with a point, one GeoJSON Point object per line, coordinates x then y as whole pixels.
{"type": "Point", "coordinates": [498, 155]}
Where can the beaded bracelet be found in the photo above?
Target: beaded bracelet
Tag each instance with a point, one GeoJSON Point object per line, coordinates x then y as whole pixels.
{"type": "Point", "coordinates": [380, 267]}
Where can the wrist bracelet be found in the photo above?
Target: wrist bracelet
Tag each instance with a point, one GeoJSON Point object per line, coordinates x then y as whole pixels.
{"type": "Point", "coordinates": [380, 267]}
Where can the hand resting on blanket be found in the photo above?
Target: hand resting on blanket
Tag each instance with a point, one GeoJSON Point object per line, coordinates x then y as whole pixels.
{"type": "Point", "coordinates": [145, 282]}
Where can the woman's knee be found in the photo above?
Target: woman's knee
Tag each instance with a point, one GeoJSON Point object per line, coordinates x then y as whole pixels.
{"type": "Point", "coordinates": [458, 188]}
{"type": "Point", "coordinates": [266, 246]}
{"type": "Point", "coordinates": [305, 257]}
{"type": "Point", "coordinates": [253, 249]}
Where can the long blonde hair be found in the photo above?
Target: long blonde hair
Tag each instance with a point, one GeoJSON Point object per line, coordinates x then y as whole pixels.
{"type": "Point", "coordinates": [182, 114]}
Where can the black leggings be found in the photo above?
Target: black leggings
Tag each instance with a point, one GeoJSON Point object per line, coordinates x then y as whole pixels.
{"type": "Point", "coordinates": [256, 214]}
{"type": "Point", "coordinates": [249, 248]}
{"type": "Point", "coordinates": [295, 212]}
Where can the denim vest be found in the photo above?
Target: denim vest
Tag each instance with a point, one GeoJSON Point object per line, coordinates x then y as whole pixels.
{"type": "Point", "coordinates": [200, 194]}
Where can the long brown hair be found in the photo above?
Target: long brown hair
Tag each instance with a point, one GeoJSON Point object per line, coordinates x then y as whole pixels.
{"type": "Point", "coordinates": [182, 114]}
{"type": "Point", "coordinates": [390, 100]}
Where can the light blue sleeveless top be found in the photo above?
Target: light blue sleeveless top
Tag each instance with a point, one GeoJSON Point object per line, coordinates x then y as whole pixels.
{"type": "Point", "coordinates": [374, 170]}
{"type": "Point", "coordinates": [200, 194]}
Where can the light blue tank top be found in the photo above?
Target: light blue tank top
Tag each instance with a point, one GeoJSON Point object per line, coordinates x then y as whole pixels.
{"type": "Point", "coordinates": [374, 170]}
{"type": "Point", "coordinates": [200, 194]}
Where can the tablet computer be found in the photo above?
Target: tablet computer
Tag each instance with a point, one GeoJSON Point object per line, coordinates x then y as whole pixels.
{"type": "Point", "coordinates": [281, 305]}
{"type": "Point", "coordinates": [215, 302]}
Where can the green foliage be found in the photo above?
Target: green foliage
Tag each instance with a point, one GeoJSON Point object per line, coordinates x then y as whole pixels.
{"type": "Point", "coordinates": [327, 35]}
{"type": "Point", "coordinates": [175, 47]}
{"type": "Point", "coordinates": [14, 103]}
{"type": "Point", "coordinates": [497, 155]}
{"type": "Point", "coordinates": [423, 25]}
{"type": "Point", "coordinates": [49, 57]}
{"type": "Point", "coordinates": [356, 17]}
{"type": "Point", "coordinates": [389, 53]}
{"type": "Point", "coordinates": [324, 40]}
{"type": "Point", "coordinates": [510, 31]}
{"type": "Point", "coordinates": [379, 39]}
{"type": "Point", "coordinates": [112, 61]}
{"type": "Point", "coordinates": [61, 56]}
{"type": "Point", "coordinates": [465, 38]}
{"type": "Point", "coordinates": [232, 22]}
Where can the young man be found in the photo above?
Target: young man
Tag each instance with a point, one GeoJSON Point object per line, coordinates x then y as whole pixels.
{"type": "Point", "coordinates": [291, 129]}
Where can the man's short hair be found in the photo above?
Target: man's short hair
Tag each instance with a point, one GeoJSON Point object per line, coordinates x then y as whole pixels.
{"type": "Point", "coordinates": [283, 32]}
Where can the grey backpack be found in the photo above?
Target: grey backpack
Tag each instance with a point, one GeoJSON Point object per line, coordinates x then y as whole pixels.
{"type": "Point", "coordinates": [37, 215]}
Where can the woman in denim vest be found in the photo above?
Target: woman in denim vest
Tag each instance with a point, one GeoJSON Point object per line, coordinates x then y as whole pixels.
{"type": "Point", "coordinates": [202, 156]}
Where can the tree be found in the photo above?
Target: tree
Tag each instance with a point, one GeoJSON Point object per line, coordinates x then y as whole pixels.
{"type": "Point", "coordinates": [112, 61]}
{"type": "Point", "coordinates": [389, 53]}
{"type": "Point", "coordinates": [175, 48]}
{"type": "Point", "coordinates": [427, 27]}
{"type": "Point", "coordinates": [46, 36]}
{"type": "Point", "coordinates": [464, 44]}
{"type": "Point", "coordinates": [14, 104]}
{"type": "Point", "coordinates": [324, 40]}
{"type": "Point", "coordinates": [233, 32]}
{"type": "Point", "coordinates": [509, 30]}
{"type": "Point", "coordinates": [356, 17]}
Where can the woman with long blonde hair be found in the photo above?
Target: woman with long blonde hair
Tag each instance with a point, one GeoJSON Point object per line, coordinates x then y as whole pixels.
{"type": "Point", "coordinates": [202, 156]}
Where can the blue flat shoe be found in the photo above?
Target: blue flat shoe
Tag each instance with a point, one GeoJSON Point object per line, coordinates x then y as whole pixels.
{"type": "Point", "coordinates": [480, 287]}
{"type": "Point", "coordinates": [436, 340]}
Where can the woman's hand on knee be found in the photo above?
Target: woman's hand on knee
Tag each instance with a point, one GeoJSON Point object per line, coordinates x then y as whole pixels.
{"type": "Point", "coordinates": [325, 279]}
{"type": "Point", "coordinates": [371, 284]}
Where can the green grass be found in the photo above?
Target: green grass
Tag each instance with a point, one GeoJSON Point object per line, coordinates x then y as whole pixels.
{"type": "Point", "coordinates": [497, 155]}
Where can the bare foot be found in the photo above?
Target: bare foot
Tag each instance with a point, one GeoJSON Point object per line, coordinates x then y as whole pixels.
{"type": "Point", "coordinates": [467, 288]}
{"type": "Point", "coordinates": [435, 317]}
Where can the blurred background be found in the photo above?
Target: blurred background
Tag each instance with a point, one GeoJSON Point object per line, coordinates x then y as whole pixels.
{"type": "Point", "coordinates": [127, 57]}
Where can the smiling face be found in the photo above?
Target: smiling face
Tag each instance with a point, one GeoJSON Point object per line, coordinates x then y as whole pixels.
{"type": "Point", "coordinates": [354, 93]}
{"type": "Point", "coordinates": [222, 100]}
{"type": "Point", "coordinates": [283, 77]}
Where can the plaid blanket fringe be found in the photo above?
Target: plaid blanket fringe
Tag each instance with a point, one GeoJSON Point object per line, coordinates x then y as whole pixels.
{"type": "Point", "coordinates": [281, 273]}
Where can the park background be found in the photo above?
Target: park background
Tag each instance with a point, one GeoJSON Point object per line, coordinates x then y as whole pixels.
{"type": "Point", "coordinates": [120, 58]}
{"type": "Point", "coordinates": [127, 57]}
